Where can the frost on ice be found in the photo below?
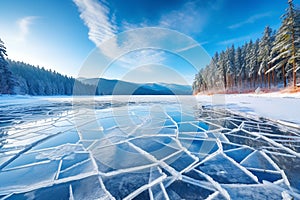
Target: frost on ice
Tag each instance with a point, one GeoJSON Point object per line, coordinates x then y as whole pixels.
{"type": "Point", "coordinates": [143, 150]}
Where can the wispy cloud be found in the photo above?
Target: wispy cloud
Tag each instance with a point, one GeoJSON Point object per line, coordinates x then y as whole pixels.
{"type": "Point", "coordinates": [239, 39]}
{"type": "Point", "coordinates": [215, 4]}
{"type": "Point", "coordinates": [204, 42]}
{"type": "Point", "coordinates": [189, 19]}
{"type": "Point", "coordinates": [192, 46]}
{"type": "Point", "coordinates": [95, 16]}
{"type": "Point", "coordinates": [23, 25]}
{"type": "Point", "coordinates": [102, 28]}
{"type": "Point", "coordinates": [187, 48]}
{"type": "Point", "coordinates": [142, 57]}
{"type": "Point", "coordinates": [250, 20]}
{"type": "Point", "coordinates": [129, 26]}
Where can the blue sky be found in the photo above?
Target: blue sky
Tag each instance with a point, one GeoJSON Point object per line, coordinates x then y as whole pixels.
{"type": "Point", "coordinates": [61, 34]}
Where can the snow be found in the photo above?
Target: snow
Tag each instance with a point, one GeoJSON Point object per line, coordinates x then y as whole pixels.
{"type": "Point", "coordinates": [147, 147]}
{"type": "Point", "coordinates": [276, 106]}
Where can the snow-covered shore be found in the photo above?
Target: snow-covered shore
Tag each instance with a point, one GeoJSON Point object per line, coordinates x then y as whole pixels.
{"type": "Point", "coordinates": [275, 106]}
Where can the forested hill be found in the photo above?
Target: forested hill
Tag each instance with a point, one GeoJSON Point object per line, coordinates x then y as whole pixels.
{"type": "Point", "coordinates": [272, 61]}
{"type": "Point", "coordinates": [24, 78]}
{"type": "Point", "coordinates": [32, 80]}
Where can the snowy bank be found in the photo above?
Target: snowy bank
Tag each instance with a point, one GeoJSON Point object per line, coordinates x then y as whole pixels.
{"type": "Point", "coordinates": [275, 106]}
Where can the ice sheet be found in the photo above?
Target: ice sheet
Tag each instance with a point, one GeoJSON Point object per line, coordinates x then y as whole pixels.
{"type": "Point", "coordinates": [103, 148]}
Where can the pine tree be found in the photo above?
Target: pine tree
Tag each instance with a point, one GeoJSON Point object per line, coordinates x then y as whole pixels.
{"type": "Point", "coordinates": [264, 54]}
{"type": "Point", "coordinates": [198, 82]}
{"type": "Point", "coordinates": [287, 43]}
{"type": "Point", "coordinates": [238, 63]}
{"type": "Point", "coordinates": [6, 79]}
{"type": "Point", "coordinates": [253, 63]}
{"type": "Point", "coordinates": [245, 64]}
{"type": "Point", "coordinates": [230, 65]}
{"type": "Point", "coordinates": [217, 84]}
{"type": "Point", "coordinates": [222, 68]}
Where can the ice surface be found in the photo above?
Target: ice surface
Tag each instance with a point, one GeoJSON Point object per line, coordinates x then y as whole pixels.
{"type": "Point", "coordinates": [257, 160]}
{"type": "Point", "coordinates": [222, 170]}
{"type": "Point", "coordinates": [259, 191]}
{"type": "Point", "coordinates": [28, 177]}
{"type": "Point", "coordinates": [238, 154]}
{"type": "Point", "coordinates": [142, 148]}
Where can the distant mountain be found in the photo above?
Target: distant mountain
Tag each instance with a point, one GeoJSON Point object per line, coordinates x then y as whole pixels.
{"type": "Point", "coordinates": [118, 87]}
{"type": "Point", "coordinates": [182, 89]}
{"type": "Point", "coordinates": [32, 80]}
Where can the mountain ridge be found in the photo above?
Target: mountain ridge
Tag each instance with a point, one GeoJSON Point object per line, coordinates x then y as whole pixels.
{"type": "Point", "coordinates": [119, 87]}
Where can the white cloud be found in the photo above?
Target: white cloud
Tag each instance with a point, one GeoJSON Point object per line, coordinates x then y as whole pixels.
{"type": "Point", "coordinates": [239, 39]}
{"type": "Point", "coordinates": [95, 16]}
{"type": "Point", "coordinates": [23, 25]}
{"type": "Point", "coordinates": [189, 19]}
{"type": "Point", "coordinates": [188, 48]}
{"type": "Point", "coordinates": [128, 26]}
{"type": "Point", "coordinates": [142, 57]}
{"type": "Point", "coordinates": [250, 20]}
{"type": "Point", "coordinates": [101, 28]}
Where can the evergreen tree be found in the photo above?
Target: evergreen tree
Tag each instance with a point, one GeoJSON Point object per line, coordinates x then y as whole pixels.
{"type": "Point", "coordinates": [244, 66]}
{"type": "Point", "coordinates": [6, 79]}
{"type": "Point", "coordinates": [238, 61]}
{"type": "Point", "coordinates": [287, 43]}
{"type": "Point", "coordinates": [253, 62]}
{"type": "Point", "coordinates": [222, 68]}
{"type": "Point", "coordinates": [215, 73]}
{"type": "Point", "coordinates": [39, 81]}
{"type": "Point", "coordinates": [265, 47]}
{"type": "Point", "coordinates": [231, 67]}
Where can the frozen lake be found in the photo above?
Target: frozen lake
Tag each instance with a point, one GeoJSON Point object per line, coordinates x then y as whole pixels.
{"type": "Point", "coordinates": [143, 147]}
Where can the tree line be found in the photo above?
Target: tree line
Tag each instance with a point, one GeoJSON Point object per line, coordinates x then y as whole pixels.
{"type": "Point", "coordinates": [21, 78]}
{"type": "Point", "coordinates": [6, 78]}
{"type": "Point", "coordinates": [34, 80]}
{"type": "Point", "coordinates": [271, 61]}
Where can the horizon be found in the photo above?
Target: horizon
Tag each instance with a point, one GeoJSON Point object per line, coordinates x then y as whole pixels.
{"type": "Point", "coordinates": [140, 83]}
{"type": "Point", "coordinates": [36, 33]}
